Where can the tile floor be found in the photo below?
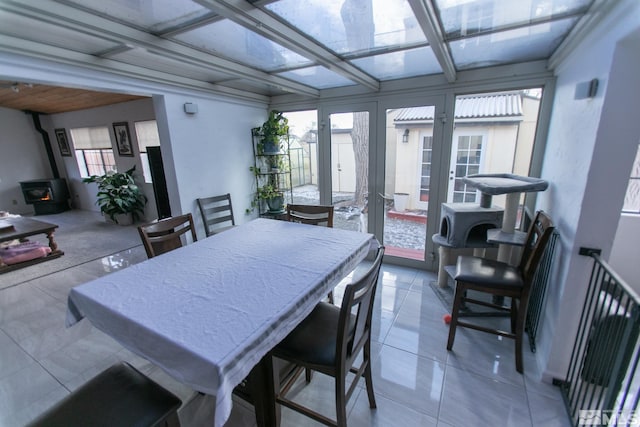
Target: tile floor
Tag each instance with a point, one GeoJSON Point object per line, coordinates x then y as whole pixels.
{"type": "Point", "coordinates": [417, 382]}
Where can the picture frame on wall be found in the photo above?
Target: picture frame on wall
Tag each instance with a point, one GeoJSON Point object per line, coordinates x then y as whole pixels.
{"type": "Point", "coordinates": [123, 139]}
{"type": "Point", "coordinates": [63, 142]}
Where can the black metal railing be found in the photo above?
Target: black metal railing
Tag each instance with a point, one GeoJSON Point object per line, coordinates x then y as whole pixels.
{"type": "Point", "coordinates": [539, 291]}
{"type": "Point", "coordinates": [602, 385]}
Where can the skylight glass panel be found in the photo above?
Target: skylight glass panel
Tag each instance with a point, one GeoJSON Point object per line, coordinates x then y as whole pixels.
{"type": "Point", "coordinates": [522, 44]}
{"type": "Point", "coordinates": [396, 65]}
{"type": "Point", "coordinates": [160, 62]}
{"type": "Point", "coordinates": [352, 26]}
{"type": "Point", "coordinates": [228, 39]}
{"type": "Point", "coordinates": [317, 77]}
{"type": "Point", "coordinates": [467, 17]}
{"type": "Point", "coordinates": [53, 34]}
{"type": "Point", "coordinates": [153, 15]}
{"type": "Point", "coordinates": [265, 89]}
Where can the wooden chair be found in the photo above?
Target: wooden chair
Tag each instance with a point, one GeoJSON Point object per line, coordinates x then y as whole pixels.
{"type": "Point", "coordinates": [311, 214]}
{"type": "Point", "coordinates": [501, 279]}
{"type": "Point", "coordinates": [330, 340]}
{"type": "Point", "coordinates": [217, 213]}
{"type": "Point", "coordinates": [119, 396]}
{"type": "Point", "coordinates": [166, 234]}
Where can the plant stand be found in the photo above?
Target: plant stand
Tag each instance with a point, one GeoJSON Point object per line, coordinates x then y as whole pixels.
{"type": "Point", "coordinates": [272, 169]}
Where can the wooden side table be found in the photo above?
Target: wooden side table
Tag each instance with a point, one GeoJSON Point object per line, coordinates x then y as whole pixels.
{"type": "Point", "coordinates": [25, 227]}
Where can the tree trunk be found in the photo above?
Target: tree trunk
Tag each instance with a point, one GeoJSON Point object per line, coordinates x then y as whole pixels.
{"type": "Point", "coordinates": [359, 38]}
{"type": "Point", "coordinates": [360, 139]}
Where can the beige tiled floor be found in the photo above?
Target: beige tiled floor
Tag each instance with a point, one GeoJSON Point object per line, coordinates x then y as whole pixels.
{"type": "Point", "coordinates": [417, 382]}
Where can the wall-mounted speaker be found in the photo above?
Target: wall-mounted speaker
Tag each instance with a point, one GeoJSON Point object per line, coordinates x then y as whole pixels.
{"type": "Point", "coordinates": [190, 108]}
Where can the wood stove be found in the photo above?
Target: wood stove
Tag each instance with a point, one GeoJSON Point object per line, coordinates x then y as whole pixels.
{"type": "Point", "coordinates": [48, 196]}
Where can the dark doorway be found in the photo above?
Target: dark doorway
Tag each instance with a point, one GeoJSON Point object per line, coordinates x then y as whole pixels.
{"type": "Point", "coordinates": [159, 182]}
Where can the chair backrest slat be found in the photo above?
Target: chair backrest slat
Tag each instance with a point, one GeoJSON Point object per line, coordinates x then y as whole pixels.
{"type": "Point", "coordinates": [216, 210]}
{"type": "Point", "coordinates": [310, 214]}
{"type": "Point", "coordinates": [166, 235]}
{"type": "Point", "coordinates": [538, 236]}
{"type": "Point", "coordinates": [354, 326]}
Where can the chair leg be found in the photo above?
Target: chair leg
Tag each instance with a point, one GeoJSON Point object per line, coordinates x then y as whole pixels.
{"type": "Point", "coordinates": [341, 401]}
{"type": "Point", "coordinates": [172, 420]}
{"type": "Point", "coordinates": [367, 376]}
{"type": "Point", "coordinates": [514, 315]}
{"type": "Point", "coordinates": [457, 302]}
{"type": "Point", "coordinates": [520, 335]}
{"type": "Point", "coordinates": [330, 296]}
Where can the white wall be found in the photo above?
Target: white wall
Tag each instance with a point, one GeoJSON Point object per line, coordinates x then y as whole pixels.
{"type": "Point", "coordinates": [22, 158]}
{"type": "Point", "coordinates": [209, 154]}
{"type": "Point", "coordinates": [590, 148]}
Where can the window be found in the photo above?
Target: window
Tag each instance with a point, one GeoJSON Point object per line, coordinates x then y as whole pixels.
{"type": "Point", "coordinates": [468, 157]}
{"type": "Point", "coordinates": [632, 198]}
{"type": "Point", "coordinates": [425, 176]}
{"type": "Point", "coordinates": [94, 152]}
{"type": "Point", "coordinates": [147, 133]}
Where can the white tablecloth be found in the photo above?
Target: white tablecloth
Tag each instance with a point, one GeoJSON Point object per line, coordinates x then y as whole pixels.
{"type": "Point", "coordinates": [208, 312]}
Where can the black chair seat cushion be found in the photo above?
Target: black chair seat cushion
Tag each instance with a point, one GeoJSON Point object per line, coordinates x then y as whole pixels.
{"type": "Point", "coordinates": [314, 340]}
{"type": "Point", "coordinates": [119, 396]}
{"type": "Point", "coordinates": [482, 271]}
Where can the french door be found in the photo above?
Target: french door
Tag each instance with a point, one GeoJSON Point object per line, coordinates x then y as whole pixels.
{"type": "Point", "coordinates": [388, 166]}
{"type": "Point", "coordinates": [409, 173]}
{"type": "Point", "coordinates": [346, 137]}
{"type": "Point", "coordinates": [383, 167]}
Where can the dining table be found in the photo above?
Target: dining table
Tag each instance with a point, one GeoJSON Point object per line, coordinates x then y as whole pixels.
{"type": "Point", "coordinates": [210, 312]}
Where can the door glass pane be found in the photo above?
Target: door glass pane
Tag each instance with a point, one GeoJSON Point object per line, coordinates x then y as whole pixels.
{"type": "Point", "coordinates": [303, 151]}
{"type": "Point", "coordinates": [350, 169]}
{"type": "Point", "coordinates": [467, 163]}
{"type": "Point", "coordinates": [493, 134]}
{"type": "Point", "coordinates": [409, 149]}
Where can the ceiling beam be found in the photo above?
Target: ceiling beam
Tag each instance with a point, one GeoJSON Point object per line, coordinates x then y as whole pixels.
{"type": "Point", "coordinates": [87, 23]}
{"type": "Point", "coordinates": [426, 16]}
{"type": "Point", "coordinates": [64, 56]}
{"type": "Point", "coordinates": [254, 19]}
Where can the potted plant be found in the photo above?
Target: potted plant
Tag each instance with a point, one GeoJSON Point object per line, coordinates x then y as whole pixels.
{"type": "Point", "coordinates": [272, 196]}
{"type": "Point", "coordinates": [271, 133]}
{"type": "Point", "coordinates": [119, 197]}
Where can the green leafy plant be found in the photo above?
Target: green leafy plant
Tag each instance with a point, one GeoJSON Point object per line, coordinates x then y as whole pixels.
{"type": "Point", "coordinates": [269, 194]}
{"type": "Point", "coordinates": [272, 131]}
{"type": "Point", "coordinates": [119, 194]}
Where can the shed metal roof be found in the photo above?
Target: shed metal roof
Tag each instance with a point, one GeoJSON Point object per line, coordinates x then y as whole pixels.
{"type": "Point", "coordinates": [499, 105]}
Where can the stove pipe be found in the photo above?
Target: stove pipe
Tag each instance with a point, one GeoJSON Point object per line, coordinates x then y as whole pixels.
{"type": "Point", "coordinates": [47, 143]}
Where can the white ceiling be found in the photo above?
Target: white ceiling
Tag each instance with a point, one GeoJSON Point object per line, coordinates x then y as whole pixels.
{"type": "Point", "coordinates": [302, 47]}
